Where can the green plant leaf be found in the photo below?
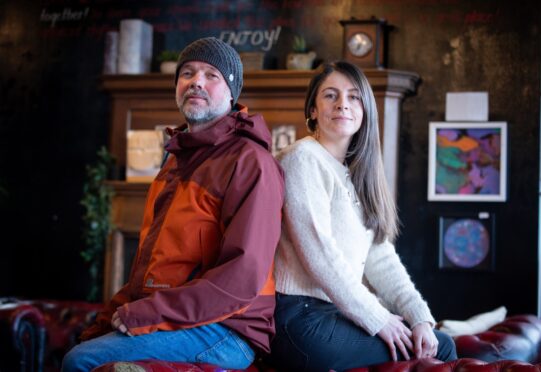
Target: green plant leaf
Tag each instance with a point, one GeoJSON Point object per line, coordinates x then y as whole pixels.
{"type": "Point", "coordinates": [299, 44]}
{"type": "Point", "coordinates": [96, 200]}
{"type": "Point", "coordinates": [168, 55]}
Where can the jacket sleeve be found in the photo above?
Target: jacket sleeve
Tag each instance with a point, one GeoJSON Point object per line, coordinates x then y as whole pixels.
{"type": "Point", "coordinates": [307, 217]}
{"type": "Point", "coordinates": [102, 325]}
{"type": "Point", "coordinates": [251, 216]}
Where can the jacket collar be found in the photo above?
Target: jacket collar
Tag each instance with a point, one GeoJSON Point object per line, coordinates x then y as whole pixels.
{"type": "Point", "coordinates": [238, 122]}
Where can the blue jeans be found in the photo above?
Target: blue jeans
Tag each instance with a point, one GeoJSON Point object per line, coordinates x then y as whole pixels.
{"type": "Point", "coordinates": [312, 335]}
{"type": "Point", "coordinates": [212, 344]}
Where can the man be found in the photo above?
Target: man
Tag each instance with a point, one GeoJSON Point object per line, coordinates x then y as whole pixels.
{"type": "Point", "coordinates": [200, 288]}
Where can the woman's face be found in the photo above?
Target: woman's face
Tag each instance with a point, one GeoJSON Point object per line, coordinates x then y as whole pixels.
{"type": "Point", "coordinates": [338, 109]}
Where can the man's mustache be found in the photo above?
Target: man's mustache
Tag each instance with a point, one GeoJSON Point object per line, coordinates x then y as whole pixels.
{"type": "Point", "coordinates": [195, 92]}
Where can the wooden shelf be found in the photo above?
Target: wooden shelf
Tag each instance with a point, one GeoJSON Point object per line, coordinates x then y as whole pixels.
{"type": "Point", "coordinates": [146, 100]}
{"type": "Point", "coordinates": [393, 80]}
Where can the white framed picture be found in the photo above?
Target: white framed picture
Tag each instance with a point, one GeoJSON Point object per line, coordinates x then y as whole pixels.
{"type": "Point", "coordinates": [282, 136]}
{"type": "Point", "coordinates": [467, 161]}
{"type": "Point", "coordinates": [144, 155]}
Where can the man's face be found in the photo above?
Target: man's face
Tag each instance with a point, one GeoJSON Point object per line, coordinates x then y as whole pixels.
{"type": "Point", "coordinates": [202, 94]}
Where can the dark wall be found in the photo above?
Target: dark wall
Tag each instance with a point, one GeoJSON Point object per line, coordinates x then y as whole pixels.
{"type": "Point", "coordinates": [53, 117]}
{"type": "Point", "coordinates": [52, 120]}
{"type": "Point", "coordinates": [482, 46]}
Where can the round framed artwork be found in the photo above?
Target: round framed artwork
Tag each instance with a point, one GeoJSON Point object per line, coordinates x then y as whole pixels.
{"type": "Point", "coordinates": [466, 242]}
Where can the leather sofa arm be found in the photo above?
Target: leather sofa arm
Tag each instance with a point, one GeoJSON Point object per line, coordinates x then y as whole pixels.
{"type": "Point", "coordinates": [22, 336]}
{"type": "Point", "coordinates": [516, 338]}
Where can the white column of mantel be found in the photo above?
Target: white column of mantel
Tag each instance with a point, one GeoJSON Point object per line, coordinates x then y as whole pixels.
{"type": "Point", "coordinates": [399, 84]}
{"type": "Point", "coordinates": [390, 139]}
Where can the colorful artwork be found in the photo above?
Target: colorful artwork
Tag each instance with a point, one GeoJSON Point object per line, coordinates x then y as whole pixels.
{"type": "Point", "coordinates": [467, 161]}
{"type": "Point", "coordinates": [465, 243]}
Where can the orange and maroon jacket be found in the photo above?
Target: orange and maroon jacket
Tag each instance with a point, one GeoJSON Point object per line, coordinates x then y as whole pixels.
{"type": "Point", "coordinates": [209, 233]}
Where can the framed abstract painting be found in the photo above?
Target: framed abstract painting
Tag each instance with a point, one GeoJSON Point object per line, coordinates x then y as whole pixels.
{"type": "Point", "coordinates": [467, 242]}
{"type": "Point", "coordinates": [467, 161]}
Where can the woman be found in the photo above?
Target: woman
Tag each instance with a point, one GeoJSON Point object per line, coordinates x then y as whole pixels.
{"type": "Point", "coordinates": [342, 292]}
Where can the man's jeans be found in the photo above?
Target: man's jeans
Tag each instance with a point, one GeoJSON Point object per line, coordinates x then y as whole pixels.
{"type": "Point", "coordinates": [213, 344]}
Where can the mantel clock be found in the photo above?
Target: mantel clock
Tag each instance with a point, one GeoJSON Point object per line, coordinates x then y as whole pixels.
{"type": "Point", "coordinates": [364, 42]}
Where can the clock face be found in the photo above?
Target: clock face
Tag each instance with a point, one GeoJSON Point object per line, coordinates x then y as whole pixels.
{"type": "Point", "coordinates": [360, 44]}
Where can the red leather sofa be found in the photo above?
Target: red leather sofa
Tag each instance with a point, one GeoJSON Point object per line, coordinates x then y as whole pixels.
{"type": "Point", "coordinates": [35, 335]}
{"type": "Point", "coordinates": [516, 338]}
{"type": "Point", "coordinates": [22, 338]}
{"type": "Point", "coordinates": [421, 365]}
{"type": "Point", "coordinates": [513, 345]}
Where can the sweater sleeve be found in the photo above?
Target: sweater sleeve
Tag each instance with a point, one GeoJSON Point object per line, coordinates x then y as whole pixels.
{"type": "Point", "coordinates": [389, 278]}
{"type": "Point", "coordinates": [251, 216]}
{"type": "Point", "coordinates": [307, 217]}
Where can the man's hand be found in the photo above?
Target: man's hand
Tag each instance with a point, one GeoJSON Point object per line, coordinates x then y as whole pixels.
{"type": "Point", "coordinates": [117, 324]}
{"type": "Point", "coordinates": [424, 340]}
{"type": "Point", "coordinates": [396, 334]}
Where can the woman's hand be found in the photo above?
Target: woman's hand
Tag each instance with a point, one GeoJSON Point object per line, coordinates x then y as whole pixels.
{"type": "Point", "coordinates": [424, 341]}
{"type": "Point", "coordinates": [396, 334]}
{"type": "Point", "coordinates": [117, 324]}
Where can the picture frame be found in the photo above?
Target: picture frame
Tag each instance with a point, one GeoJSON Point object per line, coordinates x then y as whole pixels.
{"type": "Point", "coordinates": [144, 154]}
{"type": "Point", "coordinates": [467, 242]}
{"type": "Point", "coordinates": [467, 161]}
{"type": "Point", "coordinates": [282, 136]}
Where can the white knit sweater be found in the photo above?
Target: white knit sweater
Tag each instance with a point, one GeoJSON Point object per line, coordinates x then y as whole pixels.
{"type": "Point", "coordinates": [325, 249]}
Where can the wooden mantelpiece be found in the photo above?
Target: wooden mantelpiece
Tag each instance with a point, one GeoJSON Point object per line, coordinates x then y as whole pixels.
{"type": "Point", "coordinates": [145, 101]}
{"type": "Point", "coordinates": [380, 79]}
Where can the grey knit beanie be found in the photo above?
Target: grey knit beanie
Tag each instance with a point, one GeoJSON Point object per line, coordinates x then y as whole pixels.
{"type": "Point", "coordinates": [218, 54]}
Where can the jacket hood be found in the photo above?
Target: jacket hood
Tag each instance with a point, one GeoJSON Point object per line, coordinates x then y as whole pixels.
{"type": "Point", "coordinates": [236, 123]}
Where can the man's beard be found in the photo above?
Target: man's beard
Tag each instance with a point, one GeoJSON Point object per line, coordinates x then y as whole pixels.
{"type": "Point", "coordinates": [195, 114]}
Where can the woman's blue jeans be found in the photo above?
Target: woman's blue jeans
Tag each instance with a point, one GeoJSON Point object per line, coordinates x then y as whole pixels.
{"type": "Point", "coordinates": [212, 344]}
{"type": "Point", "coordinates": [312, 335]}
